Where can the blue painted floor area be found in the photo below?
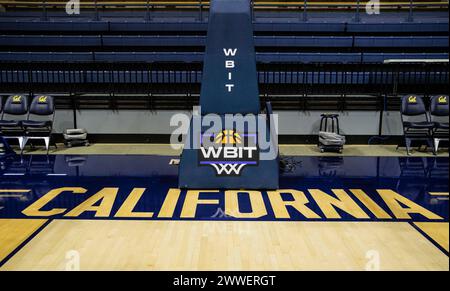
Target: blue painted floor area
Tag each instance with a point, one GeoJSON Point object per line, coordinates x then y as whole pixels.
{"type": "Point", "coordinates": [416, 185]}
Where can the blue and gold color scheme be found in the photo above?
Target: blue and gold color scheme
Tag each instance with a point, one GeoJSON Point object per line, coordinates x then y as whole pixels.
{"type": "Point", "coordinates": [43, 192]}
{"type": "Point", "coordinates": [229, 87]}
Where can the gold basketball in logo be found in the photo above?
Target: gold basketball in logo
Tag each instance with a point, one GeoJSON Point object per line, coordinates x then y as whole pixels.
{"type": "Point", "coordinates": [228, 137]}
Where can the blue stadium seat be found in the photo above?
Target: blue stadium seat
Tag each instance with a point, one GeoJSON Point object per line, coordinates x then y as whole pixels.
{"type": "Point", "coordinates": [397, 27]}
{"type": "Point", "coordinates": [153, 40]}
{"type": "Point", "coordinates": [309, 57]}
{"type": "Point", "coordinates": [304, 41]}
{"type": "Point", "coordinates": [46, 56]}
{"type": "Point", "coordinates": [381, 57]}
{"type": "Point", "coordinates": [50, 40]}
{"type": "Point", "coordinates": [401, 41]}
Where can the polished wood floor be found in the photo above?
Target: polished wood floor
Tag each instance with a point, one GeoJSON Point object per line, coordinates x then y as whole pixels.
{"type": "Point", "coordinates": [214, 245]}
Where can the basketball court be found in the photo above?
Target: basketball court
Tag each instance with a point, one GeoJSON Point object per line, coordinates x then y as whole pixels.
{"type": "Point", "coordinates": [230, 135]}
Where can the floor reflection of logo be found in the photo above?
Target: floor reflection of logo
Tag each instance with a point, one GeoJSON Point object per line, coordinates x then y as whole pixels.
{"type": "Point", "coordinates": [228, 152]}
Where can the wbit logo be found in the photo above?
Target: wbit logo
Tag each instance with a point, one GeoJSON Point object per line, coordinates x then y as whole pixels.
{"type": "Point", "coordinates": [229, 152]}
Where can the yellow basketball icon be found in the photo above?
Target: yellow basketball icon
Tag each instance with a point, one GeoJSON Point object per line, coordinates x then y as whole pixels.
{"type": "Point", "coordinates": [228, 137]}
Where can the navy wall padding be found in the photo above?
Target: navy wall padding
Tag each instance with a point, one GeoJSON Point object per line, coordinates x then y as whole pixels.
{"type": "Point", "coordinates": [230, 28]}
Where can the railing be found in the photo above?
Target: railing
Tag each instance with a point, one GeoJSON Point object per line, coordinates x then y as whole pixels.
{"type": "Point", "coordinates": [202, 6]}
{"type": "Point", "coordinates": [287, 84]}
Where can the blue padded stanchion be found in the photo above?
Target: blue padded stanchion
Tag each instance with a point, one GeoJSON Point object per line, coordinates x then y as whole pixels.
{"type": "Point", "coordinates": [229, 86]}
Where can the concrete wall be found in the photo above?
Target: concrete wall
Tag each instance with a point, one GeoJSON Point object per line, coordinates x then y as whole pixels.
{"type": "Point", "coordinates": [291, 122]}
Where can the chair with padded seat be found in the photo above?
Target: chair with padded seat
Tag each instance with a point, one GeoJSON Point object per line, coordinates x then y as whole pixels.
{"type": "Point", "coordinates": [41, 106]}
{"type": "Point", "coordinates": [15, 106]}
{"type": "Point", "coordinates": [439, 114]}
{"type": "Point", "coordinates": [416, 122]}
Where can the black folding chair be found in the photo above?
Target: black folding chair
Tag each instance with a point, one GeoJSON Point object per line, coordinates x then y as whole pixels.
{"type": "Point", "coordinates": [16, 105]}
{"type": "Point", "coordinates": [421, 128]}
{"type": "Point", "coordinates": [439, 111]}
{"type": "Point", "coordinates": [40, 129]}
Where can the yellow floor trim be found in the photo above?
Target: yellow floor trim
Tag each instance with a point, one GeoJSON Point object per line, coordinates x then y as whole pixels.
{"type": "Point", "coordinates": [13, 232]}
{"type": "Point", "coordinates": [215, 245]}
{"type": "Point", "coordinates": [438, 231]}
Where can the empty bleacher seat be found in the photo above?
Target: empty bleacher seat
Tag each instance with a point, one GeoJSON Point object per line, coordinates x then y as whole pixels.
{"type": "Point", "coordinates": [381, 57]}
{"type": "Point", "coordinates": [130, 41]}
{"type": "Point", "coordinates": [46, 56]}
{"type": "Point", "coordinates": [304, 41]}
{"type": "Point", "coordinates": [50, 40]}
{"type": "Point", "coordinates": [401, 41]}
{"type": "Point", "coordinates": [309, 57]}
{"type": "Point", "coordinates": [398, 27]}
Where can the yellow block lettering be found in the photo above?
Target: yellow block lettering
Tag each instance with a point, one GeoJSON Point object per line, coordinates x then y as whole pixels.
{"type": "Point", "coordinates": [328, 204]}
{"type": "Point", "coordinates": [192, 200]}
{"type": "Point", "coordinates": [35, 208]}
{"type": "Point", "coordinates": [106, 197]}
{"type": "Point", "coordinates": [370, 204]}
{"type": "Point", "coordinates": [299, 203]}
{"type": "Point", "coordinates": [170, 203]}
{"type": "Point", "coordinates": [126, 210]}
{"type": "Point", "coordinates": [393, 200]}
{"type": "Point", "coordinates": [256, 202]}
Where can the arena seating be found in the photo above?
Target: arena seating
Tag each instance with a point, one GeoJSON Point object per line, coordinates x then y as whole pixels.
{"type": "Point", "coordinates": [121, 53]}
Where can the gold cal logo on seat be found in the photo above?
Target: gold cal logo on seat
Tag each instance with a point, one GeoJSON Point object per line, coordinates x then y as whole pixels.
{"type": "Point", "coordinates": [42, 99]}
{"type": "Point", "coordinates": [412, 99]}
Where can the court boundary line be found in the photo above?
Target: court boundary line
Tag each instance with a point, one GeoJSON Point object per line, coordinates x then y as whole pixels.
{"type": "Point", "coordinates": [429, 238]}
{"type": "Point", "coordinates": [25, 242]}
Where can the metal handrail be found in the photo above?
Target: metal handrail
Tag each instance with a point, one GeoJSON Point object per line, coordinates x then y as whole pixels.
{"type": "Point", "coordinates": [204, 5]}
{"type": "Point", "coordinates": [200, 3]}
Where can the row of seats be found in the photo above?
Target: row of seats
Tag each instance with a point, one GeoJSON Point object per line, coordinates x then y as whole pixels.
{"type": "Point", "coordinates": [192, 77]}
{"type": "Point", "coordinates": [85, 25]}
{"type": "Point", "coordinates": [36, 123]}
{"type": "Point", "coordinates": [425, 125]}
{"type": "Point", "coordinates": [279, 41]}
{"type": "Point", "coordinates": [187, 57]}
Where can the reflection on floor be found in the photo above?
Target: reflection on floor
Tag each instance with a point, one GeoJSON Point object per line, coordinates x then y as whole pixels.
{"type": "Point", "coordinates": [111, 212]}
{"type": "Point", "coordinates": [288, 150]}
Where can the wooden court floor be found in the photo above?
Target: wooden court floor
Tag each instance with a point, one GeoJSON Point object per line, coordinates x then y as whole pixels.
{"type": "Point", "coordinates": [78, 226]}
{"type": "Point", "coordinates": [216, 245]}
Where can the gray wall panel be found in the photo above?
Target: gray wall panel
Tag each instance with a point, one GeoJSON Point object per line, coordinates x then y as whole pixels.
{"type": "Point", "coordinates": [158, 122]}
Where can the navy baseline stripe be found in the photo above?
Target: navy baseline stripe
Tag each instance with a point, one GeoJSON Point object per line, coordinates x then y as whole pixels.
{"type": "Point", "coordinates": [25, 242]}
{"type": "Point", "coordinates": [429, 238]}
